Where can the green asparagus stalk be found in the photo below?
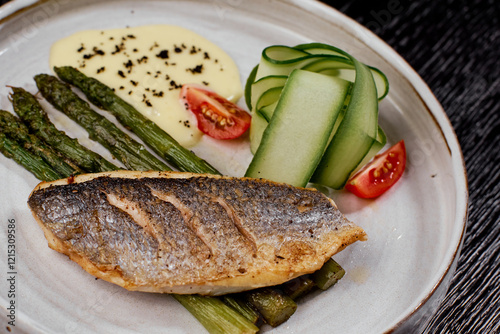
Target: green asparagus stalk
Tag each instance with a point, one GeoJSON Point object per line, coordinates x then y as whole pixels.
{"type": "Point", "coordinates": [31, 112]}
{"type": "Point", "coordinates": [33, 163]}
{"type": "Point", "coordinates": [243, 307]}
{"type": "Point", "coordinates": [298, 287]}
{"type": "Point", "coordinates": [275, 306]}
{"type": "Point", "coordinates": [131, 153]}
{"type": "Point", "coordinates": [14, 128]}
{"type": "Point", "coordinates": [328, 275]}
{"type": "Point", "coordinates": [215, 316]}
{"type": "Point", "coordinates": [161, 142]}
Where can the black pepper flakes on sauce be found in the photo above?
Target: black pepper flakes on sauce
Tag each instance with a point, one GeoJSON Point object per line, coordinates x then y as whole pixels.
{"type": "Point", "coordinates": [146, 101]}
{"type": "Point", "coordinates": [128, 65]}
{"type": "Point", "coordinates": [174, 85]}
{"type": "Point", "coordinates": [155, 45]}
{"type": "Point", "coordinates": [96, 52]}
{"type": "Point", "coordinates": [163, 54]}
{"type": "Point", "coordinates": [143, 59]}
{"type": "Point", "coordinates": [117, 50]}
{"type": "Point", "coordinates": [195, 70]}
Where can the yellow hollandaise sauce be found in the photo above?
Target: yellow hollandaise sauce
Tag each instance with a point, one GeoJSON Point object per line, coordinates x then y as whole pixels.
{"type": "Point", "coordinates": [147, 66]}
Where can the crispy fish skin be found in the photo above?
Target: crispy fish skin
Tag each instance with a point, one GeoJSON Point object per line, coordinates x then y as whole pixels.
{"type": "Point", "coordinates": [190, 233]}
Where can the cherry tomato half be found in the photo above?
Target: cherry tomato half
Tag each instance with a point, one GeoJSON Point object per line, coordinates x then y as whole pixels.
{"type": "Point", "coordinates": [380, 174]}
{"type": "Point", "coordinates": [217, 117]}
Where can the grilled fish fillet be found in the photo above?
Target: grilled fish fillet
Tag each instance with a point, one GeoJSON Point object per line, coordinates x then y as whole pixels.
{"type": "Point", "coordinates": [190, 233]}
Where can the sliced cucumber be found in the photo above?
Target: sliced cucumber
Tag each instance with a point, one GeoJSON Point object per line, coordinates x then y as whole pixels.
{"type": "Point", "coordinates": [297, 135]}
{"type": "Point", "coordinates": [257, 128]}
{"type": "Point", "coordinates": [315, 57]}
{"type": "Point", "coordinates": [321, 49]}
{"type": "Point", "coordinates": [248, 87]}
{"type": "Point", "coordinates": [262, 85]}
{"type": "Point", "coordinates": [282, 60]}
{"type": "Point", "coordinates": [377, 145]}
{"type": "Point", "coordinates": [269, 98]}
{"type": "Point", "coordinates": [355, 135]}
{"type": "Point", "coordinates": [268, 111]}
{"type": "Point", "coordinates": [261, 115]}
{"type": "Point", "coordinates": [344, 69]}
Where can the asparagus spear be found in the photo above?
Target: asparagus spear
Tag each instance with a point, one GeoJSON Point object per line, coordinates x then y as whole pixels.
{"type": "Point", "coordinates": [33, 163]}
{"type": "Point", "coordinates": [328, 275]}
{"type": "Point", "coordinates": [273, 304]}
{"type": "Point", "coordinates": [242, 306]}
{"type": "Point", "coordinates": [215, 316]}
{"type": "Point", "coordinates": [14, 128]}
{"type": "Point", "coordinates": [161, 142]}
{"type": "Point", "coordinates": [277, 306]}
{"type": "Point", "coordinates": [298, 287]}
{"type": "Point", "coordinates": [123, 147]}
{"type": "Point", "coordinates": [30, 111]}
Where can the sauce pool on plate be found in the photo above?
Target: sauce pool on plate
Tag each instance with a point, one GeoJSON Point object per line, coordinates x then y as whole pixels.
{"type": "Point", "coordinates": [147, 65]}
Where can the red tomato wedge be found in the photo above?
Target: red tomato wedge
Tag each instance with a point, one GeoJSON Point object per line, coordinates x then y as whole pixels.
{"type": "Point", "coordinates": [380, 174]}
{"type": "Point", "coordinates": [217, 117]}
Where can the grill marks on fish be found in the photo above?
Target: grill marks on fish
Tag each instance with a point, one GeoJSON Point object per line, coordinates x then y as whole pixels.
{"type": "Point", "coordinates": [209, 221]}
{"type": "Point", "coordinates": [172, 232]}
{"type": "Point", "coordinates": [167, 215]}
{"type": "Point", "coordinates": [139, 216]}
{"type": "Point", "coordinates": [237, 221]}
{"type": "Point", "coordinates": [185, 212]}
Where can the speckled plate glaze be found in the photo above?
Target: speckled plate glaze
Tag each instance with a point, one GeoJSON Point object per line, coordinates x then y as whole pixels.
{"type": "Point", "coordinates": [394, 281]}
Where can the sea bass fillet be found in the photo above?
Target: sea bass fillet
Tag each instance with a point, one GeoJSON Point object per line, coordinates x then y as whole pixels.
{"type": "Point", "coordinates": [190, 233]}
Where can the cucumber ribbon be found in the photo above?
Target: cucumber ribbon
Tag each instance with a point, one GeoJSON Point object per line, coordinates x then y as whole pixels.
{"type": "Point", "coordinates": [356, 136]}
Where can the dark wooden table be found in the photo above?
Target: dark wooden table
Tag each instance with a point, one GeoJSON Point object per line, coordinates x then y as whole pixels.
{"type": "Point", "coordinates": [455, 47]}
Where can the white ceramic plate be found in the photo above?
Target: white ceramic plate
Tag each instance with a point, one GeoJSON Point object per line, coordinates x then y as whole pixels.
{"type": "Point", "coordinates": [394, 281]}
